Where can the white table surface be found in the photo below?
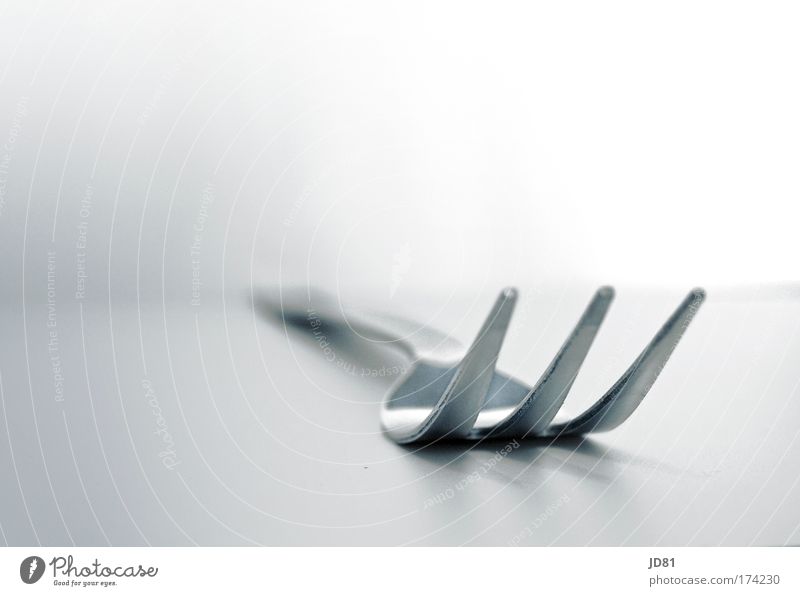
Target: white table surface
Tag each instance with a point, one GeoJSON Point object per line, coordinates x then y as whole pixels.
{"type": "Point", "coordinates": [273, 444]}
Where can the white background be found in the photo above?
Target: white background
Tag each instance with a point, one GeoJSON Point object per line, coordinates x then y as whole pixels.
{"type": "Point", "coordinates": [365, 570]}
{"type": "Point", "coordinates": [653, 142]}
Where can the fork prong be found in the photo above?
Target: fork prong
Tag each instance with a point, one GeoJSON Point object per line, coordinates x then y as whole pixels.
{"type": "Point", "coordinates": [627, 393]}
{"type": "Point", "coordinates": [534, 414]}
{"type": "Point", "coordinates": [455, 413]}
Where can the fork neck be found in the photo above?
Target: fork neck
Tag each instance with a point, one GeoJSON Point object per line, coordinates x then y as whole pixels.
{"type": "Point", "coordinates": [415, 341]}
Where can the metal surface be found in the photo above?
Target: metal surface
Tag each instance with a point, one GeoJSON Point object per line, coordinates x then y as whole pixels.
{"type": "Point", "coordinates": [445, 396]}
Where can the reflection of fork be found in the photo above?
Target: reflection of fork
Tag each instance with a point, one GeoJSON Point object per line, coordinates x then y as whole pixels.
{"type": "Point", "coordinates": [450, 393]}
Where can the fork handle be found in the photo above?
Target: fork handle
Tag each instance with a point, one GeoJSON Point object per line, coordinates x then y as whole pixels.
{"type": "Point", "coordinates": [414, 340]}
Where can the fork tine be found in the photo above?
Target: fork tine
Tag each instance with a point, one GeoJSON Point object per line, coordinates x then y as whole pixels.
{"type": "Point", "coordinates": [534, 414]}
{"type": "Point", "coordinates": [455, 413]}
{"type": "Point", "coordinates": [627, 393]}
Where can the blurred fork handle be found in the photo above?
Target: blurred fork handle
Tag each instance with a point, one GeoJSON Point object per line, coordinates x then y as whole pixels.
{"type": "Point", "coordinates": [312, 307]}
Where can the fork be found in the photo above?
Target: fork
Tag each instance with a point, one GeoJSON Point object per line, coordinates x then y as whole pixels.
{"type": "Point", "coordinates": [449, 393]}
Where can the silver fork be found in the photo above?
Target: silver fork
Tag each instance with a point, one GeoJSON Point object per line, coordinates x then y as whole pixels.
{"type": "Point", "coordinates": [450, 394]}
